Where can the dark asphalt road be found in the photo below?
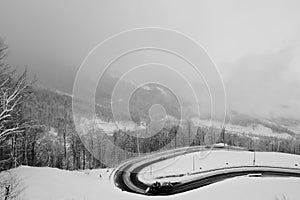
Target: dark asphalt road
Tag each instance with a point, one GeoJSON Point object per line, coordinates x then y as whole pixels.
{"type": "Point", "coordinates": [125, 176]}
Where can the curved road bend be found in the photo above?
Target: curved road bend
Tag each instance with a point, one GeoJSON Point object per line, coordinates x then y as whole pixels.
{"type": "Point", "coordinates": [125, 176]}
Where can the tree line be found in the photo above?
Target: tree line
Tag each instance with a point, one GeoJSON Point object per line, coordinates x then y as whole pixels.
{"type": "Point", "coordinates": [37, 129]}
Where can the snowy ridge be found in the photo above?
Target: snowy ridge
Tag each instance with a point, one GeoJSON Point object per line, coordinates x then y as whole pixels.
{"type": "Point", "coordinates": [252, 129]}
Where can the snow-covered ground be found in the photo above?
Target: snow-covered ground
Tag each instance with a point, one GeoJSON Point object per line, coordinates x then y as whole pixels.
{"type": "Point", "coordinates": [54, 184]}
{"type": "Point", "coordinates": [253, 129]}
{"type": "Point", "coordinates": [206, 160]}
{"type": "Point", "coordinates": [108, 127]}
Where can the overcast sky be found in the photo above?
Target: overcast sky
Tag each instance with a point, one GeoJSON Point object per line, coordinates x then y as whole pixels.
{"type": "Point", "coordinates": [255, 43]}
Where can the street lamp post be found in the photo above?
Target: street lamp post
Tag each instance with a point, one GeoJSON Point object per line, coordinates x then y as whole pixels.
{"type": "Point", "coordinates": [253, 143]}
{"type": "Point", "coordinates": [253, 156]}
{"type": "Point", "coordinates": [193, 162]}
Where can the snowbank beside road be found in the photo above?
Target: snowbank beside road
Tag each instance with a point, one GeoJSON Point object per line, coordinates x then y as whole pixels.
{"type": "Point", "coordinates": [206, 160]}
{"type": "Point", "coordinates": [53, 184]}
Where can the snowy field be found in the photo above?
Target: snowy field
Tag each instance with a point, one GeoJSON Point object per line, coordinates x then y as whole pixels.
{"type": "Point", "coordinates": [206, 160]}
{"type": "Point", "coordinates": [54, 184]}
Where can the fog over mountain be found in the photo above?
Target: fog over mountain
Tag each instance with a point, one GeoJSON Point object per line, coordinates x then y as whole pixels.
{"type": "Point", "coordinates": [256, 48]}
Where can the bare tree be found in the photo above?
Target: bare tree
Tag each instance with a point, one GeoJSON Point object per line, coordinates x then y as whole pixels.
{"type": "Point", "coordinates": [12, 95]}
{"type": "Point", "coordinates": [14, 92]}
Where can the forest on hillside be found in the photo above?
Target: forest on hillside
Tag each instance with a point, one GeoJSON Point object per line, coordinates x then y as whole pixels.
{"type": "Point", "coordinates": [37, 129]}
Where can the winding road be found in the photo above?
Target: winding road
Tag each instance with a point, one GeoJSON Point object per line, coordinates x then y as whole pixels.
{"type": "Point", "coordinates": [126, 175]}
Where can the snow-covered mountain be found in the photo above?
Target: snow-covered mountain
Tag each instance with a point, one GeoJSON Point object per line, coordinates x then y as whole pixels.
{"type": "Point", "coordinates": [146, 96]}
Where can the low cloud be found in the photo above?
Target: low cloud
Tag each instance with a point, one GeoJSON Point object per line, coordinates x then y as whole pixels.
{"type": "Point", "coordinates": [266, 85]}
